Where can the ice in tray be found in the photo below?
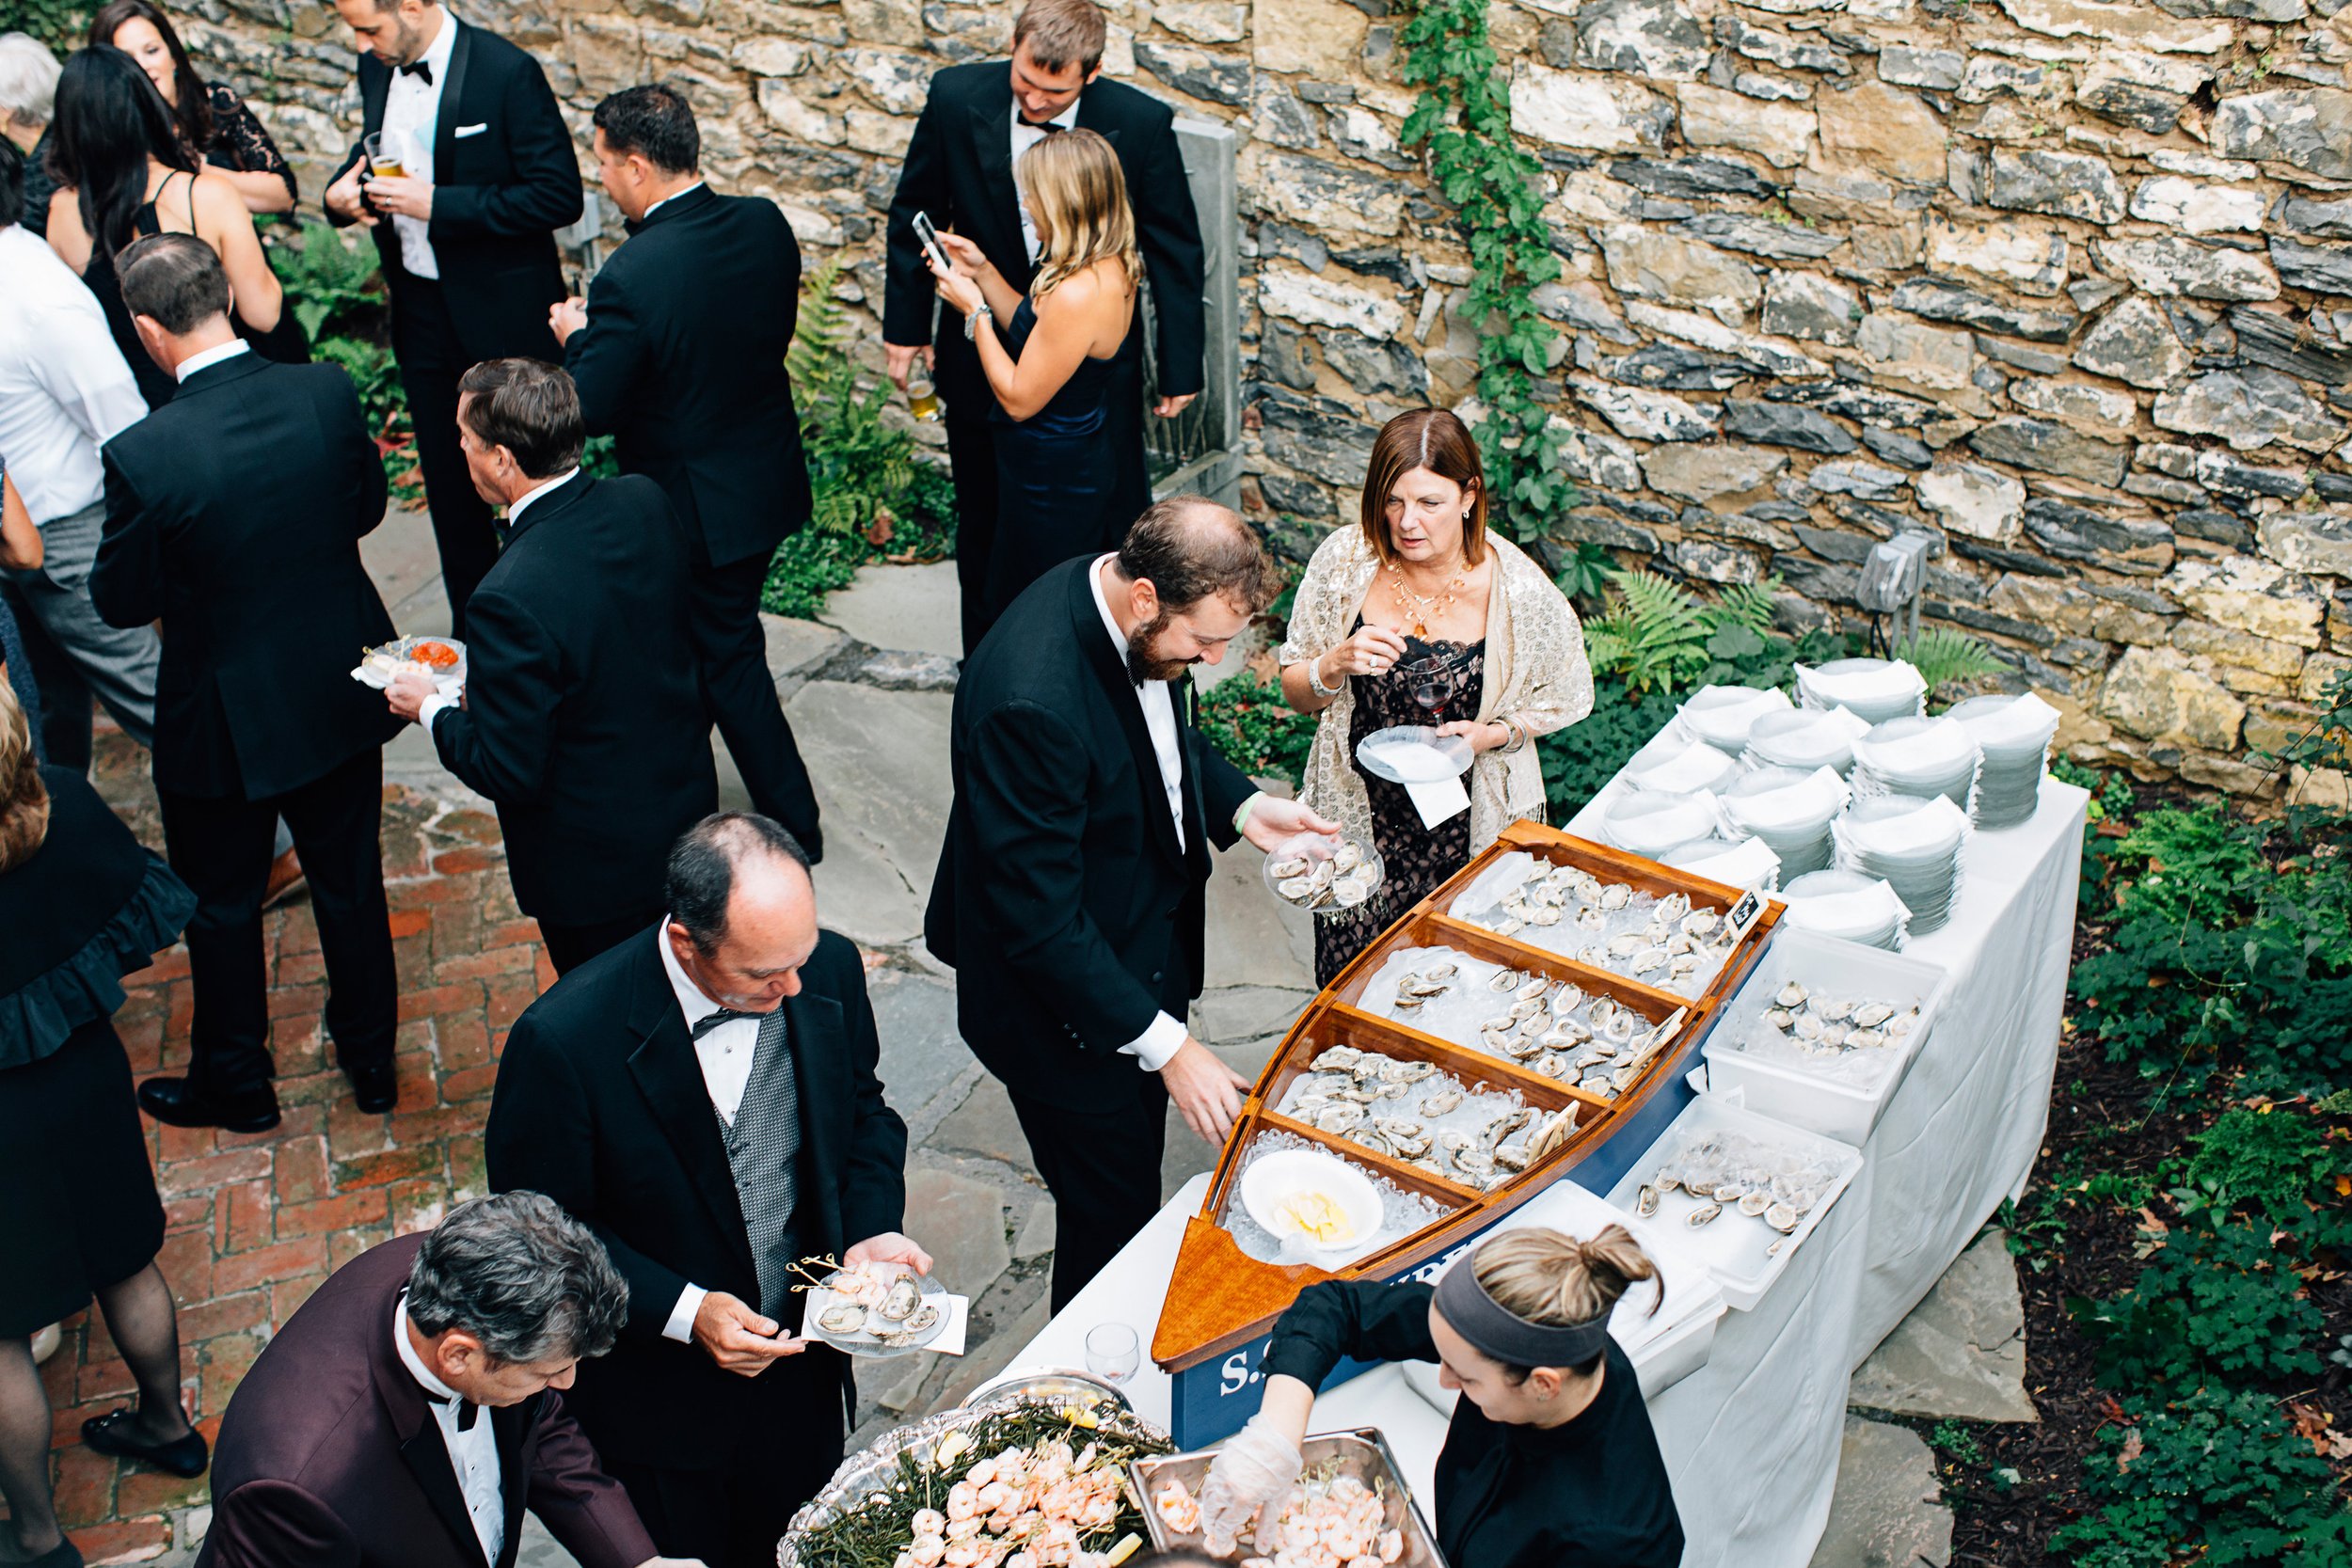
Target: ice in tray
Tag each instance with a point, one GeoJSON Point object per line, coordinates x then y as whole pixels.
{"type": "Point", "coordinates": [1401, 1213]}
{"type": "Point", "coordinates": [1842, 1036]}
{"type": "Point", "coordinates": [1665, 943]}
{"type": "Point", "coordinates": [1418, 1113]}
{"type": "Point", "coordinates": [1552, 1027]}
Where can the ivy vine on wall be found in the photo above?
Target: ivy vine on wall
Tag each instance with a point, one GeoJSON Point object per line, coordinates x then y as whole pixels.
{"type": "Point", "coordinates": [1463, 118]}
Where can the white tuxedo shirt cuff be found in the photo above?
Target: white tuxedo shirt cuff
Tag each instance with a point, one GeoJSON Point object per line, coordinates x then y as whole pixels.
{"type": "Point", "coordinates": [1158, 1043]}
{"type": "Point", "coordinates": [432, 708]}
{"type": "Point", "coordinates": [681, 1325]}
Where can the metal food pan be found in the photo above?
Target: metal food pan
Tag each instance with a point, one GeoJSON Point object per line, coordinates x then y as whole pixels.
{"type": "Point", "coordinates": [1362, 1453]}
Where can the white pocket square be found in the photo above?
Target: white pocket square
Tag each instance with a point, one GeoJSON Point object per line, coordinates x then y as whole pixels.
{"type": "Point", "coordinates": [465, 130]}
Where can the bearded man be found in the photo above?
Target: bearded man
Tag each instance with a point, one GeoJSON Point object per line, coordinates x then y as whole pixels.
{"type": "Point", "coordinates": [1070, 893]}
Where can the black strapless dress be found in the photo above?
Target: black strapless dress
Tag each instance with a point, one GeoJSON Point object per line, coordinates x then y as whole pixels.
{"type": "Point", "coordinates": [1055, 474]}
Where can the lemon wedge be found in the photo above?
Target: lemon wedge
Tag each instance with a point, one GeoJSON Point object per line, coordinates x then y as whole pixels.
{"type": "Point", "coordinates": [1318, 1217]}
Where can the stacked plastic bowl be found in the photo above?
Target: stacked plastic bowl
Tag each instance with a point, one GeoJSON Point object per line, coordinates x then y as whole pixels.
{"type": "Point", "coordinates": [1846, 905]}
{"type": "Point", "coordinates": [1790, 809]}
{"type": "Point", "coordinates": [2014, 735]}
{"type": "Point", "coordinates": [1874, 690]}
{"type": "Point", "coordinates": [1915, 756]}
{"type": "Point", "coordinates": [1733, 861]}
{"type": "Point", "coordinates": [1805, 738]}
{"type": "Point", "coordinates": [1678, 766]}
{"type": "Point", "coordinates": [1915, 846]}
{"type": "Point", "coordinates": [1645, 822]}
{"type": "Point", "coordinates": [1723, 715]}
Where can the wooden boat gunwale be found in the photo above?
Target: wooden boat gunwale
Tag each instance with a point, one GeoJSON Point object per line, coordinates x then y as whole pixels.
{"type": "Point", "coordinates": [1183, 1340]}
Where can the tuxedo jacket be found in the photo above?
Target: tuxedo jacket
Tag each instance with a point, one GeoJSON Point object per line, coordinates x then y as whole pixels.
{"type": "Point", "coordinates": [583, 719]}
{"type": "Point", "coordinates": [329, 1456]}
{"type": "Point", "coordinates": [682, 361]}
{"type": "Point", "coordinates": [498, 195]}
{"type": "Point", "coordinates": [959, 169]}
{"type": "Point", "coordinates": [233, 516]}
{"type": "Point", "coordinates": [1063, 899]}
{"type": "Point", "coordinates": [600, 1104]}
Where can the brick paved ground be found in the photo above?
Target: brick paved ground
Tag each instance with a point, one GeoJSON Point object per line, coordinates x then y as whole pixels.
{"type": "Point", "coordinates": [255, 1223]}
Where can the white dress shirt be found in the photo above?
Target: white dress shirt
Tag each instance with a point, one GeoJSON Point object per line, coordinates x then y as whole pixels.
{"type": "Point", "coordinates": [673, 196]}
{"type": "Point", "coordinates": [1161, 1038]}
{"type": "Point", "coordinates": [65, 388]}
{"type": "Point", "coordinates": [412, 116]}
{"type": "Point", "coordinates": [725, 1052]}
{"type": "Point", "coordinates": [211, 357]}
{"type": "Point", "coordinates": [1024, 136]}
{"type": "Point", "coordinates": [473, 1452]}
{"type": "Point", "coordinates": [433, 706]}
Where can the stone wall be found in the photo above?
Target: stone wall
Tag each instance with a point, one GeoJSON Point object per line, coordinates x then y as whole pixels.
{"type": "Point", "coordinates": [2066, 284]}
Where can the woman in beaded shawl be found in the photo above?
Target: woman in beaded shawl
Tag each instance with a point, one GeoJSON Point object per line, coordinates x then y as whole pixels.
{"type": "Point", "coordinates": [1418, 615]}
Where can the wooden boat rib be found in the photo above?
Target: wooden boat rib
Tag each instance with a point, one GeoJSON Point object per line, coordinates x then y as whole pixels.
{"type": "Point", "coordinates": [1220, 1298]}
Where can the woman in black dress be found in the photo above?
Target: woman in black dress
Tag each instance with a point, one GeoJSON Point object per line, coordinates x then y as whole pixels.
{"type": "Point", "coordinates": [1051, 369]}
{"type": "Point", "coordinates": [1423, 615]}
{"type": "Point", "coordinates": [123, 172]}
{"type": "Point", "coordinates": [81, 906]}
{"type": "Point", "coordinates": [1550, 1461]}
{"type": "Point", "coordinates": [215, 126]}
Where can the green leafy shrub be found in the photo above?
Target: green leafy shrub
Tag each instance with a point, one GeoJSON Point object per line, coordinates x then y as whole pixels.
{"type": "Point", "coordinates": [2215, 1299]}
{"type": "Point", "coordinates": [58, 24]}
{"type": "Point", "coordinates": [1941, 655]}
{"type": "Point", "coordinates": [1245, 717]}
{"type": "Point", "coordinates": [2217, 1476]}
{"type": "Point", "coordinates": [807, 566]}
{"type": "Point", "coordinates": [2272, 1161]}
{"type": "Point", "coordinates": [329, 280]}
{"type": "Point", "coordinates": [1656, 635]}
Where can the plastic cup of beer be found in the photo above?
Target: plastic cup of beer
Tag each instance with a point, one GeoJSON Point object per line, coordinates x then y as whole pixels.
{"type": "Point", "coordinates": [383, 152]}
{"type": "Point", "coordinates": [922, 397]}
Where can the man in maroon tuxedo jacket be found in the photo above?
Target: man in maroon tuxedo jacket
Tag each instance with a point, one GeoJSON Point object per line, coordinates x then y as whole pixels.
{"type": "Point", "coordinates": [412, 1409]}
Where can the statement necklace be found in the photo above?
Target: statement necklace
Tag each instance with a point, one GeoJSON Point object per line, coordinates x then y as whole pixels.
{"type": "Point", "coordinates": [1428, 608]}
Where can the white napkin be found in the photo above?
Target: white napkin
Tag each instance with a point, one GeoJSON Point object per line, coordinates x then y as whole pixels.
{"type": "Point", "coordinates": [1648, 821]}
{"type": "Point", "coordinates": [2025, 724]}
{"type": "Point", "coordinates": [1809, 804]}
{"type": "Point", "coordinates": [1722, 714]}
{"type": "Point", "coordinates": [1937, 827]}
{"type": "Point", "coordinates": [1751, 865]}
{"type": "Point", "coordinates": [1891, 682]}
{"type": "Point", "coordinates": [1437, 801]}
{"type": "Point", "coordinates": [1696, 767]}
{"type": "Point", "coordinates": [1944, 745]}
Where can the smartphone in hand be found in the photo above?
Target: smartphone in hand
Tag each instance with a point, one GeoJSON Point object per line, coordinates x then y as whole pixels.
{"type": "Point", "coordinates": [930, 236]}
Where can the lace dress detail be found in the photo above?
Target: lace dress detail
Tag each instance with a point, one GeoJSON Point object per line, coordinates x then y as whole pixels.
{"type": "Point", "coordinates": [1413, 858]}
{"type": "Point", "coordinates": [239, 142]}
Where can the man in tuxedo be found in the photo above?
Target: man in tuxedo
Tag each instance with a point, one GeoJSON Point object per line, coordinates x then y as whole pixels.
{"type": "Point", "coordinates": [959, 169]}
{"type": "Point", "coordinates": [704, 1097]}
{"type": "Point", "coordinates": [1069, 897]}
{"type": "Point", "coordinates": [410, 1411]}
{"type": "Point", "coordinates": [466, 229]}
{"type": "Point", "coordinates": [233, 516]}
{"type": "Point", "coordinates": [678, 353]}
{"type": "Point", "coordinates": [581, 719]}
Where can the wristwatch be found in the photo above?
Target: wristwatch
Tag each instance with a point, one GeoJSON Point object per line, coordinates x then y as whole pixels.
{"type": "Point", "coordinates": [971, 322]}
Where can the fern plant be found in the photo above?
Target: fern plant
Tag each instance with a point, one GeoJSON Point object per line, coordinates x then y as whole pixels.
{"type": "Point", "coordinates": [1656, 635]}
{"type": "Point", "coordinates": [1940, 654]}
{"type": "Point", "coordinates": [327, 280]}
{"type": "Point", "coordinates": [857, 463]}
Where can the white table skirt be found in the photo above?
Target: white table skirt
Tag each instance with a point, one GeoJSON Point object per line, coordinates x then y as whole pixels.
{"type": "Point", "coordinates": [1752, 1438]}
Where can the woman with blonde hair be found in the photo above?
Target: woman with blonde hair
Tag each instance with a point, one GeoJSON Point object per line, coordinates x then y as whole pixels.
{"type": "Point", "coordinates": [81, 906]}
{"type": "Point", "coordinates": [1550, 1458]}
{"type": "Point", "coordinates": [1420, 614]}
{"type": "Point", "coordinates": [1051, 371]}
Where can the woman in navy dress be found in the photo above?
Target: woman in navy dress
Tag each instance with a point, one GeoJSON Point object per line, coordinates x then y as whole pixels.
{"type": "Point", "coordinates": [1051, 368]}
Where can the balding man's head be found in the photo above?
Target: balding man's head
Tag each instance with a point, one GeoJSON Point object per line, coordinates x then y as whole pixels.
{"type": "Point", "coordinates": [1194, 575]}
{"type": "Point", "coordinates": [742, 909]}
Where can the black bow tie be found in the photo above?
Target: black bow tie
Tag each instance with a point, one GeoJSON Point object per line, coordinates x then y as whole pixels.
{"type": "Point", "coordinates": [419, 68]}
{"type": "Point", "coordinates": [1048, 128]}
{"type": "Point", "coordinates": [724, 1015]}
{"type": "Point", "coordinates": [467, 1410]}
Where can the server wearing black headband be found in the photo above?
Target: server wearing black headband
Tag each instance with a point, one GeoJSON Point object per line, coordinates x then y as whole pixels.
{"type": "Point", "coordinates": [1549, 1462]}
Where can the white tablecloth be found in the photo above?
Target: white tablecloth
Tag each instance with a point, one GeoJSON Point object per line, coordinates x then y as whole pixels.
{"type": "Point", "coordinates": [1752, 1438]}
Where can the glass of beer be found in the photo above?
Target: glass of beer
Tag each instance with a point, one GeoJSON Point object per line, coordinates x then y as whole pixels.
{"type": "Point", "coordinates": [922, 397]}
{"type": "Point", "coordinates": [383, 152]}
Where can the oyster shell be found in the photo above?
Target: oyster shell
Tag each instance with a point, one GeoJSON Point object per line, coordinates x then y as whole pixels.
{"type": "Point", "coordinates": [1649, 958]}
{"type": "Point", "coordinates": [1504, 979]}
{"type": "Point", "coordinates": [1441, 1102]}
{"type": "Point", "coordinates": [1589, 918]}
{"type": "Point", "coordinates": [1866, 1039]}
{"type": "Point", "coordinates": [926, 1317]}
{"type": "Point", "coordinates": [1871, 1014]}
{"type": "Point", "coordinates": [1544, 916]}
{"type": "Point", "coordinates": [1624, 944]}
{"type": "Point", "coordinates": [1782, 1217]}
{"type": "Point", "coordinates": [1617, 896]}
{"type": "Point", "coordinates": [1566, 1000]}
{"type": "Point", "coordinates": [1674, 905]}
{"type": "Point", "coordinates": [1288, 866]}
{"type": "Point", "coordinates": [1752, 1203]}
{"type": "Point", "coordinates": [1704, 1214]}
{"type": "Point", "coordinates": [899, 1304]}
{"type": "Point", "coordinates": [1340, 1118]}
{"type": "Point", "coordinates": [1297, 889]}
{"type": "Point", "coordinates": [845, 1318]}
{"type": "Point", "coordinates": [1780, 1019]}
{"type": "Point", "coordinates": [1533, 989]}
{"type": "Point", "coordinates": [1792, 995]}
{"type": "Point", "coordinates": [1699, 921]}
{"type": "Point", "coordinates": [1645, 1201]}
{"type": "Point", "coordinates": [1349, 856]}
{"type": "Point", "coordinates": [1338, 1059]}
{"type": "Point", "coordinates": [1394, 1071]}
{"type": "Point", "coordinates": [1351, 890]}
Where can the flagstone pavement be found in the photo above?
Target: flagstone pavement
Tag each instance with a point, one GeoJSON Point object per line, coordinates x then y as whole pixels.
{"type": "Point", "coordinates": [255, 1223]}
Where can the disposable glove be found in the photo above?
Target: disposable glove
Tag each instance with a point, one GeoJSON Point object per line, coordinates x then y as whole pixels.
{"type": "Point", "coordinates": [1258, 1465]}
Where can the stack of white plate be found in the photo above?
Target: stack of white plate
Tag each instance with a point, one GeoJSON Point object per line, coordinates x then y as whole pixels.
{"type": "Point", "coordinates": [1790, 809]}
{"type": "Point", "coordinates": [1678, 766]}
{"type": "Point", "coordinates": [1876, 690]}
{"type": "Point", "coordinates": [1915, 756]}
{"type": "Point", "coordinates": [1733, 861]}
{"type": "Point", "coordinates": [1806, 739]}
{"type": "Point", "coordinates": [1721, 715]}
{"type": "Point", "coordinates": [1848, 906]}
{"type": "Point", "coordinates": [2014, 735]}
{"type": "Point", "coordinates": [1913, 845]}
{"type": "Point", "coordinates": [1645, 821]}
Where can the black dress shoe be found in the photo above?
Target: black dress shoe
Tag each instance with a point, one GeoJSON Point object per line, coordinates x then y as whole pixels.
{"type": "Point", "coordinates": [185, 1457]}
{"type": "Point", "coordinates": [178, 1102]}
{"type": "Point", "coordinates": [63, 1555]}
{"type": "Point", "coordinates": [373, 1088]}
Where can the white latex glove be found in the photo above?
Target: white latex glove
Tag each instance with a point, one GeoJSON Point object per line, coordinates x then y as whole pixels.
{"type": "Point", "coordinates": [1258, 1465]}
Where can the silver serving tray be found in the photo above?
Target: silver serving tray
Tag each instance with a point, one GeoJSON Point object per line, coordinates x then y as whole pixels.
{"type": "Point", "coordinates": [1048, 1383]}
{"type": "Point", "coordinates": [1363, 1453]}
{"type": "Point", "coordinates": [874, 1468]}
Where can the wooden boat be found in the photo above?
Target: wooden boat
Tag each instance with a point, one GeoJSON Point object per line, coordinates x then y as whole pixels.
{"type": "Point", "coordinates": [1222, 1302]}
